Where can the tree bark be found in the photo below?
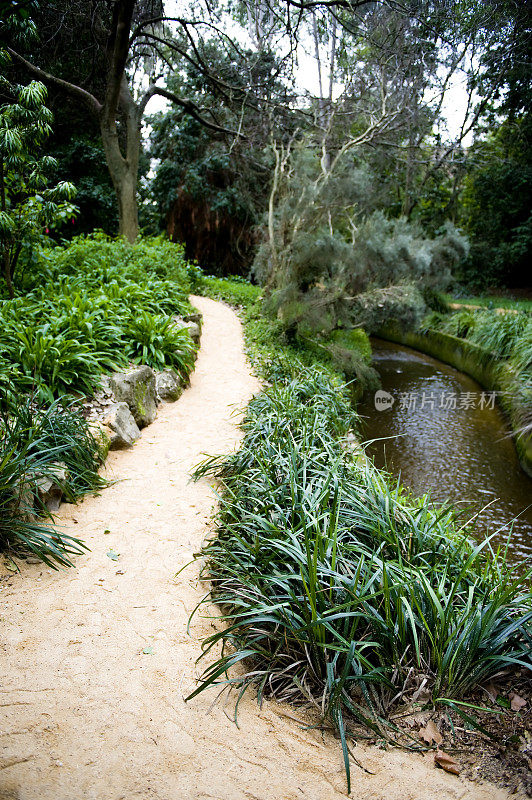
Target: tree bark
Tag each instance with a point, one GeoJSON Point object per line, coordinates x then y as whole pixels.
{"type": "Point", "coordinates": [123, 169]}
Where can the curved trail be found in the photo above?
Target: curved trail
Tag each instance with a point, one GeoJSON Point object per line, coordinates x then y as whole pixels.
{"type": "Point", "coordinates": [86, 715]}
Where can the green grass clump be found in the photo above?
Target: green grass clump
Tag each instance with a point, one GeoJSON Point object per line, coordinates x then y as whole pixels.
{"type": "Point", "coordinates": [34, 442]}
{"type": "Point", "coordinates": [154, 339]}
{"type": "Point", "coordinates": [336, 586]}
{"type": "Point", "coordinates": [91, 307]}
{"type": "Point", "coordinates": [234, 290]}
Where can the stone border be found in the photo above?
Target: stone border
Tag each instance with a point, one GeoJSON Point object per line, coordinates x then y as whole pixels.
{"type": "Point", "coordinates": [479, 364]}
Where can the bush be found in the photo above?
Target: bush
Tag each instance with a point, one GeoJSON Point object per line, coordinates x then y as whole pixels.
{"type": "Point", "coordinates": [92, 306]}
{"type": "Point", "coordinates": [155, 340]}
{"type": "Point", "coordinates": [33, 441]}
{"type": "Point", "coordinates": [338, 587]}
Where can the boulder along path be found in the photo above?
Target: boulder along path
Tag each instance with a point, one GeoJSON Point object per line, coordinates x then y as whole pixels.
{"type": "Point", "coordinates": [95, 661]}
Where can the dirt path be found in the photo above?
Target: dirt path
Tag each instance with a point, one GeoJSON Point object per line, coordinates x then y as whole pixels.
{"type": "Point", "coordinates": [86, 715]}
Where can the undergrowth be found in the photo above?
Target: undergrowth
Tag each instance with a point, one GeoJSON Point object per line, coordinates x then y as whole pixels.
{"type": "Point", "coordinates": [335, 586]}
{"type": "Point", "coordinates": [34, 444]}
{"type": "Point", "coordinates": [92, 307]}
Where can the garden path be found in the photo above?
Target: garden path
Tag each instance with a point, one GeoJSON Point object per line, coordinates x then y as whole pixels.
{"type": "Point", "coordinates": [95, 661]}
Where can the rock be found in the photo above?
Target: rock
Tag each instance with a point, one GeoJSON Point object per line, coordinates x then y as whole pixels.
{"type": "Point", "coordinates": [103, 434]}
{"type": "Point", "coordinates": [168, 384]}
{"type": "Point", "coordinates": [122, 426]}
{"type": "Point", "coordinates": [192, 327]}
{"type": "Point", "coordinates": [137, 389]}
{"type": "Point", "coordinates": [196, 317]}
{"type": "Point", "coordinates": [50, 486]}
{"type": "Point", "coordinates": [23, 504]}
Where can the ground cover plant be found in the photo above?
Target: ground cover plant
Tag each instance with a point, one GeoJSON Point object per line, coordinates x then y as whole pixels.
{"type": "Point", "coordinates": [34, 444]}
{"type": "Point", "coordinates": [90, 307]}
{"type": "Point", "coordinates": [336, 587]}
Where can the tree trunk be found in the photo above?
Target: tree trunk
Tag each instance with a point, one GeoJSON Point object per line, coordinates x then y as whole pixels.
{"type": "Point", "coordinates": [124, 169]}
{"type": "Point", "coordinates": [124, 175]}
{"type": "Point", "coordinates": [128, 217]}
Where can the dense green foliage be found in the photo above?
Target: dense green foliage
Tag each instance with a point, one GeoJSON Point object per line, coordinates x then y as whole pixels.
{"type": "Point", "coordinates": [28, 204]}
{"type": "Point", "coordinates": [211, 187]}
{"type": "Point", "coordinates": [33, 444]}
{"type": "Point", "coordinates": [92, 307]}
{"type": "Point", "coordinates": [89, 307]}
{"type": "Point", "coordinates": [338, 587]}
{"type": "Point", "coordinates": [336, 261]}
{"type": "Point", "coordinates": [496, 206]}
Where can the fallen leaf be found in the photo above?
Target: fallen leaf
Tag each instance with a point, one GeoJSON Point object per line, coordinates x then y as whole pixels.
{"type": "Point", "coordinates": [516, 702]}
{"type": "Point", "coordinates": [148, 651]}
{"type": "Point", "coordinates": [446, 762]}
{"type": "Point", "coordinates": [112, 555]}
{"type": "Point", "coordinates": [430, 733]}
{"type": "Point", "coordinates": [107, 530]}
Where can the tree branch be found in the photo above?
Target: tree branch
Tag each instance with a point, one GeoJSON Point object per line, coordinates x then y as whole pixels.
{"type": "Point", "coordinates": [118, 55]}
{"type": "Point", "coordinates": [70, 88]}
{"type": "Point", "coordinates": [188, 106]}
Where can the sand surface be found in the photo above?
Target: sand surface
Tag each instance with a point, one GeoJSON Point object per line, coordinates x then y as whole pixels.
{"type": "Point", "coordinates": [86, 715]}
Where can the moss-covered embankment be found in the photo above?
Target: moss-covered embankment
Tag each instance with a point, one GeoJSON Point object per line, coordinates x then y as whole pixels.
{"type": "Point", "coordinates": [492, 374]}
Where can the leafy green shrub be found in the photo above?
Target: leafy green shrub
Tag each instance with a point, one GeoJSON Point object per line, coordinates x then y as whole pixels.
{"type": "Point", "coordinates": [92, 306]}
{"type": "Point", "coordinates": [33, 441]}
{"type": "Point", "coordinates": [155, 340]}
{"type": "Point", "coordinates": [339, 587]}
{"type": "Point", "coordinates": [55, 363]}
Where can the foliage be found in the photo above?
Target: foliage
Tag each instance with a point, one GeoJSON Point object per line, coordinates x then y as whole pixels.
{"type": "Point", "coordinates": [93, 305]}
{"type": "Point", "coordinates": [28, 204]}
{"type": "Point", "coordinates": [33, 442]}
{"type": "Point", "coordinates": [336, 261]}
{"type": "Point", "coordinates": [211, 187]}
{"type": "Point", "coordinates": [80, 159]}
{"type": "Point", "coordinates": [496, 206]}
{"type": "Point", "coordinates": [336, 586]}
{"type": "Point", "coordinates": [232, 290]}
{"type": "Point", "coordinates": [154, 339]}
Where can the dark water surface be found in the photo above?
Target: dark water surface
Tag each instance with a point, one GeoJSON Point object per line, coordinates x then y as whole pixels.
{"type": "Point", "coordinates": [448, 441]}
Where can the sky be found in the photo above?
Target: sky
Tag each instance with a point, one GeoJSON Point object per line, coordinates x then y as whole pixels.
{"type": "Point", "coordinates": [453, 109]}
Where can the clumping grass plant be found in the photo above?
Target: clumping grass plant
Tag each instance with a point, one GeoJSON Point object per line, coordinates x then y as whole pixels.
{"type": "Point", "coordinates": [34, 443]}
{"type": "Point", "coordinates": [92, 306]}
{"type": "Point", "coordinates": [338, 588]}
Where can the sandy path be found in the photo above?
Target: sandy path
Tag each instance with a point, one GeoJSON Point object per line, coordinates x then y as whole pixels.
{"type": "Point", "coordinates": [86, 715]}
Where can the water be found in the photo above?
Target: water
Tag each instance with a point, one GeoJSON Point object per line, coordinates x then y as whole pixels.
{"type": "Point", "coordinates": [460, 453]}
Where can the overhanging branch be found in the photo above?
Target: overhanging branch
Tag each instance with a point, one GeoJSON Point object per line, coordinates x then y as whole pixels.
{"type": "Point", "coordinates": [187, 105]}
{"type": "Point", "coordinates": [70, 88]}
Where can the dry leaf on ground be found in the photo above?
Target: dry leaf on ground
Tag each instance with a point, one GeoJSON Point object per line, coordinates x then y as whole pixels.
{"type": "Point", "coordinates": [446, 762]}
{"type": "Point", "coordinates": [516, 702]}
{"type": "Point", "coordinates": [430, 733]}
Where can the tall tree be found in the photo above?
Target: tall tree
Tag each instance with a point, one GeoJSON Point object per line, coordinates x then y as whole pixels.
{"type": "Point", "coordinates": [122, 34]}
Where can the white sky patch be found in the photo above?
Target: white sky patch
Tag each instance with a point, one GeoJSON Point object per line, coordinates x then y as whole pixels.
{"type": "Point", "coordinates": [454, 107]}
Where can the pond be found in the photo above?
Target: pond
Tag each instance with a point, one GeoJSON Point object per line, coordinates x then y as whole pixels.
{"type": "Point", "coordinates": [437, 430]}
